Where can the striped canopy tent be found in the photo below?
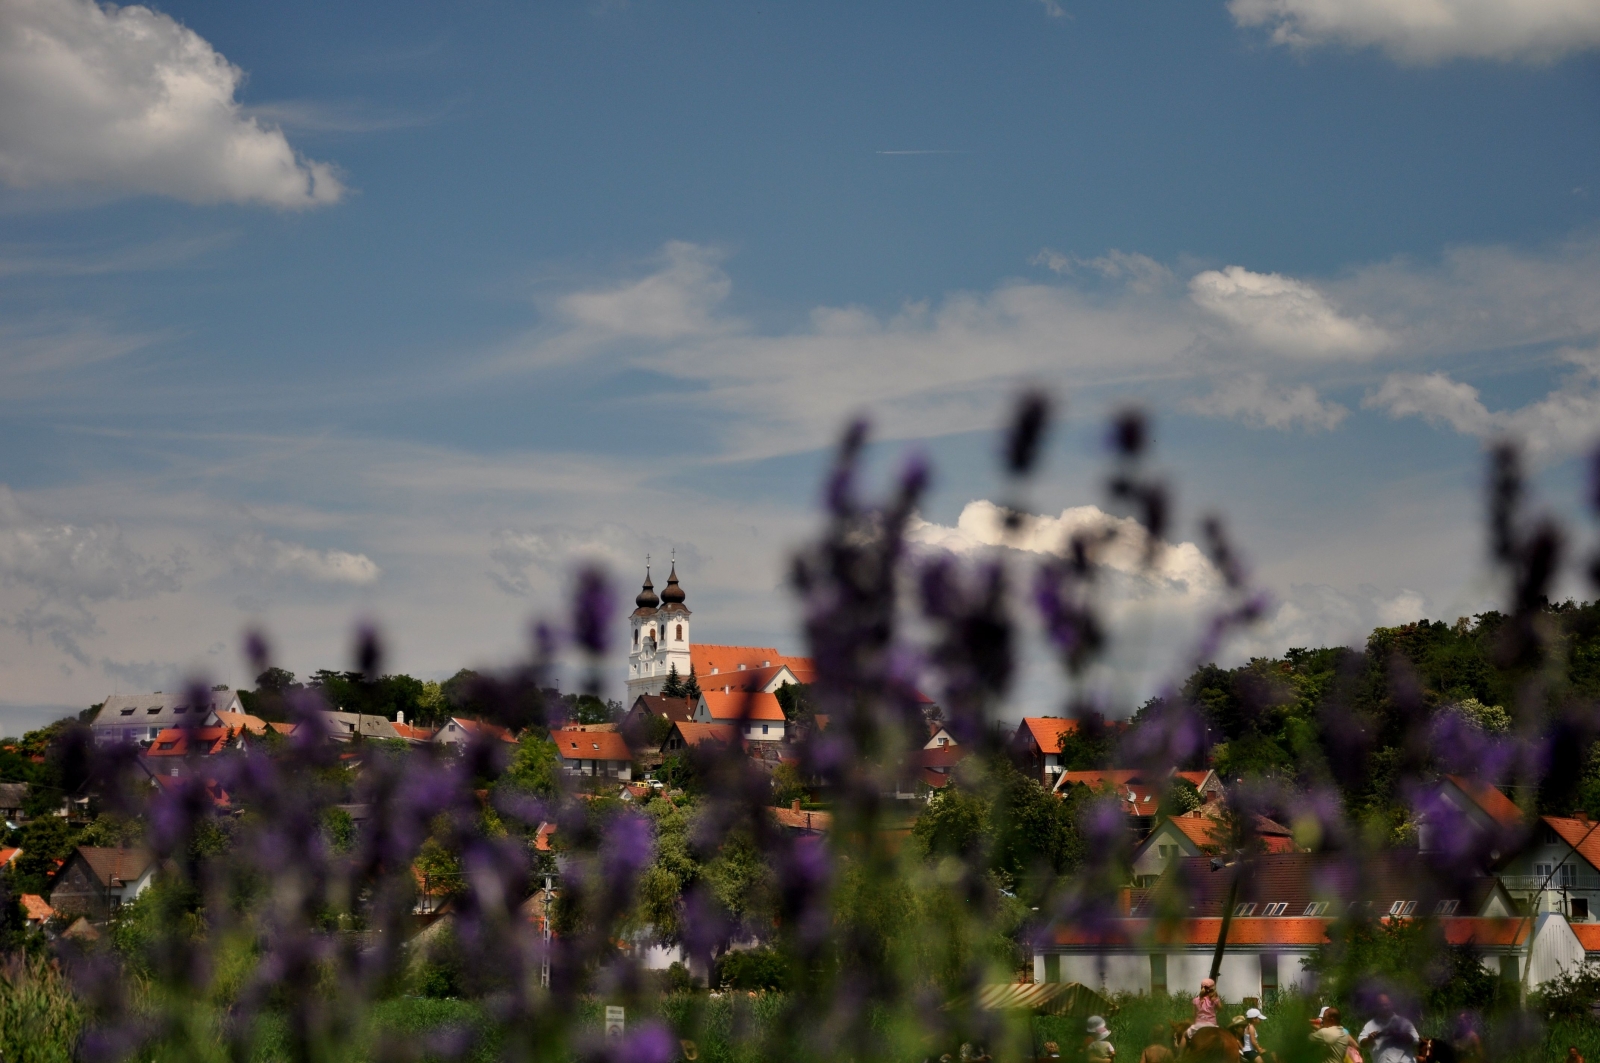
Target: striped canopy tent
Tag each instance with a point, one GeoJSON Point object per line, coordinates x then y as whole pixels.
{"type": "Point", "coordinates": [1044, 998]}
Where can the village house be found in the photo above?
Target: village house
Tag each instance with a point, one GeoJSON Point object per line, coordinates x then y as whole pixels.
{"type": "Point", "coordinates": [594, 753]}
{"type": "Point", "coordinates": [759, 714]}
{"type": "Point", "coordinates": [95, 881]}
{"type": "Point", "coordinates": [1198, 833]}
{"type": "Point", "coordinates": [457, 731]}
{"type": "Point", "coordinates": [1557, 869]}
{"type": "Point", "coordinates": [689, 735]}
{"type": "Point", "coordinates": [1036, 745]}
{"type": "Point", "coordinates": [1266, 956]}
{"type": "Point", "coordinates": [140, 717]}
{"type": "Point", "coordinates": [13, 797]}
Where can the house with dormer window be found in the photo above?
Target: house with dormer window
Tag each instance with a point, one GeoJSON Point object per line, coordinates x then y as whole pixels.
{"type": "Point", "coordinates": [1557, 869]}
{"type": "Point", "coordinates": [139, 718]}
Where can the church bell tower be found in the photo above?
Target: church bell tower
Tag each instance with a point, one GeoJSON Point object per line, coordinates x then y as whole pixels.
{"type": "Point", "coordinates": [660, 635]}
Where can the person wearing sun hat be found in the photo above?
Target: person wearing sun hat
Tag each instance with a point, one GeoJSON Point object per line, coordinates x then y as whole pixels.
{"type": "Point", "coordinates": [1099, 1049]}
{"type": "Point", "coordinates": [1250, 1036]}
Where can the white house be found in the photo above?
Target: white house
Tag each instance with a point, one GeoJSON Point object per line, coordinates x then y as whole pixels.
{"type": "Point", "coordinates": [594, 753]}
{"type": "Point", "coordinates": [1266, 956]}
{"type": "Point", "coordinates": [761, 715]}
{"type": "Point", "coordinates": [1558, 868]}
{"type": "Point", "coordinates": [140, 717]}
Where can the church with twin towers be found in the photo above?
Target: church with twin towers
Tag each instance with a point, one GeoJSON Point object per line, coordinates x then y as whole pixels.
{"type": "Point", "coordinates": [662, 641]}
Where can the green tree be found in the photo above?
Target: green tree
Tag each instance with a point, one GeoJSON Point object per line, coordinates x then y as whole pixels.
{"type": "Point", "coordinates": [795, 700]}
{"type": "Point", "coordinates": [691, 686]}
{"type": "Point", "coordinates": [674, 686]}
{"type": "Point", "coordinates": [535, 767]}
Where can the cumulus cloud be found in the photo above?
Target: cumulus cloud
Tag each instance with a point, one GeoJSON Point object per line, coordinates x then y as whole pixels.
{"type": "Point", "coordinates": [1284, 315]}
{"type": "Point", "coordinates": [275, 557]}
{"type": "Point", "coordinates": [1179, 569]}
{"type": "Point", "coordinates": [129, 101]}
{"type": "Point", "coordinates": [66, 569]}
{"type": "Point", "coordinates": [1430, 31]}
{"type": "Point", "coordinates": [1252, 400]}
{"type": "Point", "coordinates": [1564, 422]}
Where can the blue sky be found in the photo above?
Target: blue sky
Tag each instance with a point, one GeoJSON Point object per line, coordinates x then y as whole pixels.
{"type": "Point", "coordinates": [311, 312]}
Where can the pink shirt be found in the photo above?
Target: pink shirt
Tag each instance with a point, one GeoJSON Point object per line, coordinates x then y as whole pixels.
{"type": "Point", "coordinates": [1205, 1010]}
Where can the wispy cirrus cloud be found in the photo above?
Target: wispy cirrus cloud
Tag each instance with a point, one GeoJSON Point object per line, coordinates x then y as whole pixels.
{"type": "Point", "coordinates": [1250, 399]}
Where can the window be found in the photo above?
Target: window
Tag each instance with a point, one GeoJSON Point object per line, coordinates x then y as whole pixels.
{"type": "Point", "coordinates": [1158, 975]}
{"type": "Point", "coordinates": [1276, 909]}
{"type": "Point", "coordinates": [763, 728]}
{"type": "Point", "coordinates": [179, 710]}
{"type": "Point", "coordinates": [1548, 835]}
{"type": "Point", "coordinates": [636, 636]}
{"type": "Point", "coordinates": [1244, 910]}
{"type": "Point", "coordinates": [1316, 908]}
{"type": "Point", "coordinates": [127, 712]}
{"type": "Point", "coordinates": [1567, 876]}
{"type": "Point", "coordinates": [152, 710]}
{"type": "Point", "coordinates": [1269, 974]}
{"type": "Point", "coordinates": [1402, 909]}
{"type": "Point", "coordinates": [1446, 907]}
{"type": "Point", "coordinates": [680, 632]}
{"type": "Point", "coordinates": [1578, 908]}
{"type": "Point", "coordinates": [1052, 967]}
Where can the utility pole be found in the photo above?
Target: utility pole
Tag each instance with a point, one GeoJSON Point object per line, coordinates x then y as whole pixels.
{"type": "Point", "coordinates": [544, 958]}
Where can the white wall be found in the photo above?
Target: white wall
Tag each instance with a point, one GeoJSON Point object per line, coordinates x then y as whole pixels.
{"type": "Point", "coordinates": [1556, 950]}
{"type": "Point", "coordinates": [1129, 972]}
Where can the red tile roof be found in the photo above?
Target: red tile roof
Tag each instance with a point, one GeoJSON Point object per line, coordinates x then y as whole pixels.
{"type": "Point", "coordinates": [671, 708]}
{"type": "Point", "coordinates": [1046, 731]}
{"type": "Point", "coordinates": [7, 855]}
{"type": "Point", "coordinates": [1203, 931]}
{"type": "Point", "coordinates": [541, 841]}
{"type": "Point", "coordinates": [695, 733]}
{"type": "Point", "coordinates": [1486, 932]}
{"type": "Point", "coordinates": [940, 756]}
{"type": "Point", "coordinates": [175, 741]}
{"type": "Point", "coordinates": [1581, 834]}
{"type": "Point", "coordinates": [710, 660]}
{"type": "Point", "coordinates": [748, 679]}
{"type": "Point", "coordinates": [1588, 936]}
{"type": "Point", "coordinates": [745, 705]}
{"type": "Point", "coordinates": [475, 727]}
{"type": "Point", "coordinates": [1204, 831]}
{"type": "Point", "coordinates": [413, 733]}
{"type": "Point", "coordinates": [1499, 807]}
{"type": "Point", "coordinates": [801, 819]}
{"type": "Point", "coordinates": [36, 907]}
{"type": "Point", "coordinates": [591, 745]}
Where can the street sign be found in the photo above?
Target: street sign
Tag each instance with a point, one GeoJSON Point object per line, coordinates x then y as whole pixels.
{"type": "Point", "coordinates": [614, 1021]}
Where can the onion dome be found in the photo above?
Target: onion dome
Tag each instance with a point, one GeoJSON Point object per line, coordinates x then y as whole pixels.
{"type": "Point", "coordinates": [672, 594]}
{"type": "Point", "coordinates": [647, 597]}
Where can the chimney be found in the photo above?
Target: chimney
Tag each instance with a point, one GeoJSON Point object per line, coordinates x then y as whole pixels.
{"type": "Point", "coordinates": [399, 716]}
{"type": "Point", "coordinates": [794, 806]}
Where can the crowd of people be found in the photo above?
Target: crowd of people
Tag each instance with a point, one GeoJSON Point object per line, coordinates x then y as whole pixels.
{"type": "Point", "coordinates": [1387, 1037]}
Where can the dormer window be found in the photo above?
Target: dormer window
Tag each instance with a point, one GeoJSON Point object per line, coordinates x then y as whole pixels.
{"type": "Point", "coordinates": [1244, 911]}
{"type": "Point", "coordinates": [152, 710]}
{"type": "Point", "coordinates": [127, 712]}
{"type": "Point", "coordinates": [1446, 907]}
{"type": "Point", "coordinates": [741, 668]}
{"type": "Point", "coordinates": [1316, 908]}
{"type": "Point", "coordinates": [180, 710]}
{"type": "Point", "coordinates": [1402, 909]}
{"type": "Point", "coordinates": [1276, 909]}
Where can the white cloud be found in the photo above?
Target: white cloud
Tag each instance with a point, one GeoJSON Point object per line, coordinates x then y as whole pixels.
{"type": "Point", "coordinates": [276, 557]}
{"type": "Point", "coordinates": [129, 101]}
{"type": "Point", "coordinates": [1564, 422]}
{"type": "Point", "coordinates": [677, 301]}
{"type": "Point", "coordinates": [1179, 569]}
{"type": "Point", "coordinates": [1284, 315]}
{"type": "Point", "coordinates": [1253, 401]}
{"type": "Point", "coordinates": [1141, 272]}
{"type": "Point", "coordinates": [1430, 31]}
